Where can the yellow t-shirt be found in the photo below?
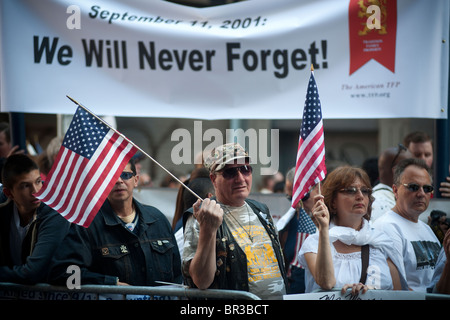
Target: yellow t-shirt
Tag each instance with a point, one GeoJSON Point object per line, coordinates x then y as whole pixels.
{"type": "Point", "coordinates": [264, 276]}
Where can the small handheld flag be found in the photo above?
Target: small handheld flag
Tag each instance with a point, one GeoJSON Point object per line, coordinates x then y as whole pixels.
{"type": "Point", "coordinates": [310, 165]}
{"type": "Point", "coordinates": [89, 163]}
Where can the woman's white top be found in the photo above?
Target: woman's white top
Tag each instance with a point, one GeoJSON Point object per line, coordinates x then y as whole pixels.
{"type": "Point", "coordinates": [347, 266]}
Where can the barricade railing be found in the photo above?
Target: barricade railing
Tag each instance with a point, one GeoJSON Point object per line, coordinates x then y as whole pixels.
{"type": "Point", "coordinates": [44, 291]}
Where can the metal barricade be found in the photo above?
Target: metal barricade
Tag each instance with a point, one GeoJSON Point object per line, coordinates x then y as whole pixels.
{"type": "Point", "coordinates": [42, 291]}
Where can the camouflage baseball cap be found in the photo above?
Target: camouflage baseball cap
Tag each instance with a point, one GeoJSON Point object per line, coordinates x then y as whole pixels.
{"type": "Point", "coordinates": [224, 154]}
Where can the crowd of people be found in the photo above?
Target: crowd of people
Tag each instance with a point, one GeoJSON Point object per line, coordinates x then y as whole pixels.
{"type": "Point", "coordinates": [353, 232]}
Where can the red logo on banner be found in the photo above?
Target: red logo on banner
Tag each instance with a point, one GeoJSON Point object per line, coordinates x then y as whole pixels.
{"type": "Point", "coordinates": [372, 32]}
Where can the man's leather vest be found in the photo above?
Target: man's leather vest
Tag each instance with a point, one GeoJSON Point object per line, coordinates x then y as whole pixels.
{"type": "Point", "coordinates": [231, 272]}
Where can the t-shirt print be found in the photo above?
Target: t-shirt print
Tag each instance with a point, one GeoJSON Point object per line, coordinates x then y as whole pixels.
{"type": "Point", "coordinates": [426, 252]}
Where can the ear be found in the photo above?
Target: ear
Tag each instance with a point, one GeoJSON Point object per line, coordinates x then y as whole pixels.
{"type": "Point", "coordinates": [136, 180]}
{"type": "Point", "coordinates": [333, 206]}
{"type": "Point", "coordinates": [395, 190]}
{"type": "Point", "coordinates": [8, 193]}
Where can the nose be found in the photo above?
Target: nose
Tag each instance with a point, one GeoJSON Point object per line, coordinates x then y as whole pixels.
{"type": "Point", "coordinates": [420, 192]}
{"type": "Point", "coordinates": [119, 180]}
{"type": "Point", "coordinates": [359, 194]}
{"type": "Point", "coordinates": [239, 176]}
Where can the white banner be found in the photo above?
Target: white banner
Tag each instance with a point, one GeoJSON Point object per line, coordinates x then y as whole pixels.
{"type": "Point", "coordinates": [242, 60]}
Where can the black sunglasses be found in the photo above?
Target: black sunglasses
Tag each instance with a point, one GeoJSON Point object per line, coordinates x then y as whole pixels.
{"type": "Point", "coordinates": [400, 149]}
{"type": "Point", "coordinates": [230, 173]}
{"type": "Point", "coordinates": [351, 191]}
{"type": "Point", "coordinates": [305, 198]}
{"type": "Point", "coordinates": [126, 175]}
{"type": "Point", "coordinates": [414, 187]}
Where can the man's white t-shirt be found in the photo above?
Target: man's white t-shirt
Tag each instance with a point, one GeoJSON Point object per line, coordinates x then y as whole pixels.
{"type": "Point", "coordinates": [418, 245]}
{"type": "Point", "coordinates": [384, 200]}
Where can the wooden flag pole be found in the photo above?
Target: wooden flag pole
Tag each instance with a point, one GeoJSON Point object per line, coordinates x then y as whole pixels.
{"type": "Point", "coordinates": [136, 146]}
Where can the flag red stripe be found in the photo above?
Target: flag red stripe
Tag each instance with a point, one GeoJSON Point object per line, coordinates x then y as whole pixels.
{"type": "Point", "coordinates": [85, 182]}
{"type": "Point", "coordinates": [68, 168]}
{"type": "Point", "coordinates": [310, 163]}
{"type": "Point", "coordinates": [98, 205]}
{"type": "Point", "coordinates": [301, 161]}
{"type": "Point", "coordinates": [103, 175]}
{"type": "Point", "coordinates": [50, 181]}
{"type": "Point", "coordinates": [79, 181]}
{"type": "Point", "coordinates": [78, 165]}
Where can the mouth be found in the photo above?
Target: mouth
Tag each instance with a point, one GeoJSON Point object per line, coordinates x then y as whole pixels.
{"type": "Point", "coordinates": [359, 206]}
{"type": "Point", "coordinates": [419, 204]}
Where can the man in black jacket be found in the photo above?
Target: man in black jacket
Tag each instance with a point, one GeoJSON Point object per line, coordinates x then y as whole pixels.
{"type": "Point", "coordinates": [30, 231]}
{"type": "Point", "coordinates": [231, 242]}
{"type": "Point", "coordinates": [126, 243]}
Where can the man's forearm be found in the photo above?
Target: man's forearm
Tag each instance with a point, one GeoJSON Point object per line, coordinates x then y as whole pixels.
{"type": "Point", "coordinates": [203, 266]}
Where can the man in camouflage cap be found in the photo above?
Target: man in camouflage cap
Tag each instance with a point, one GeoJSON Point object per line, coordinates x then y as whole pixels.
{"type": "Point", "coordinates": [230, 241]}
{"type": "Point", "coordinates": [224, 154]}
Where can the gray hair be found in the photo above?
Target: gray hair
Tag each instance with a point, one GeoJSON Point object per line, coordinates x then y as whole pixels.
{"type": "Point", "coordinates": [402, 165]}
{"type": "Point", "coordinates": [290, 175]}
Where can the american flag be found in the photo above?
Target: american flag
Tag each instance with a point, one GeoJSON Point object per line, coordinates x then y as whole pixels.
{"type": "Point", "coordinates": [310, 166]}
{"type": "Point", "coordinates": [305, 227]}
{"type": "Point", "coordinates": [88, 164]}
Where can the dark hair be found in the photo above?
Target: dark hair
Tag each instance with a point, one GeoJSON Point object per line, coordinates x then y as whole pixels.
{"type": "Point", "coordinates": [4, 127]}
{"type": "Point", "coordinates": [340, 178]}
{"type": "Point", "coordinates": [402, 165]}
{"type": "Point", "coordinates": [435, 216]}
{"type": "Point", "coordinates": [201, 186]}
{"type": "Point", "coordinates": [16, 165]}
{"type": "Point", "coordinates": [416, 137]}
{"type": "Point", "coordinates": [132, 163]}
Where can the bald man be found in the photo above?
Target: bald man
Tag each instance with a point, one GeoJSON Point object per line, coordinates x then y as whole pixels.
{"type": "Point", "coordinates": [382, 192]}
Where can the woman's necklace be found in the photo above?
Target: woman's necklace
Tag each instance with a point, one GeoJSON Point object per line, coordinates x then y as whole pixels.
{"type": "Point", "coordinates": [250, 236]}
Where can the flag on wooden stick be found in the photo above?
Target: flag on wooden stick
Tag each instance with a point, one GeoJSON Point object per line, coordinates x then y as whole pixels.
{"type": "Point", "coordinates": [310, 165]}
{"type": "Point", "coordinates": [90, 161]}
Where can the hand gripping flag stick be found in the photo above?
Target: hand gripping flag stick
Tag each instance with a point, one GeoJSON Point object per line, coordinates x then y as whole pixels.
{"type": "Point", "coordinates": [137, 147]}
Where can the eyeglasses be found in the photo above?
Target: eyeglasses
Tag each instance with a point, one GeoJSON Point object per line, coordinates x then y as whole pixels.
{"type": "Point", "coordinates": [400, 149]}
{"type": "Point", "coordinates": [230, 173]}
{"type": "Point", "coordinates": [126, 175]}
{"type": "Point", "coordinates": [305, 198]}
{"type": "Point", "coordinates": [414, 187]}
{"type": "Point", "coordinates": [351, 191]}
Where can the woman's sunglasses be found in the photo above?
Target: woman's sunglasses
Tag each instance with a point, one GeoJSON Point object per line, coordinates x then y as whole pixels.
{"type": "Point", "coordinates": [351, 191]}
